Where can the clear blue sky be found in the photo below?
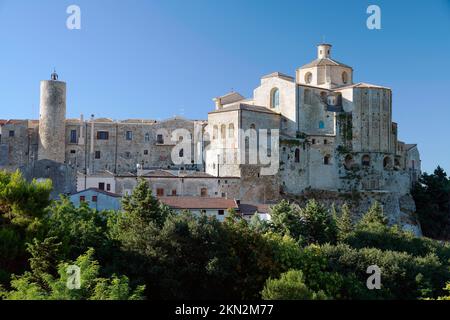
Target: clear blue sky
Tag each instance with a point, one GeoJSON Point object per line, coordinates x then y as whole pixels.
{"type": "Point", "coordinates": [155, 59]}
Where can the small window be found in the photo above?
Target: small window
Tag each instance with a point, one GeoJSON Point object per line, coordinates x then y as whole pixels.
{"type": "Point", "coordinates": [348, 164]}
{"type": "Point", "coordinates": [181, 153]}
{"type": "Point", "coordinates": [325, 141]}
{"type": "Point", "coordinates": [344, 77]}
{"type": "Point", "coordinates": [102, 135]}
{"type": "Point", "coordinates": [387, 163]}
{"type": "Point", "coordinates": [308, 78]}
{"type": "Point", "coordinates": [127, 155]}
{"type": "Point", "coordinates": [313, 141]}
{"type": "Point", "coordinates": [129, 135]}
{"type": "Point", "coordinates": [327, 160]}
{"type": "Point", "coordinates": [275, 98]}
{"type": "Point", "coordinates": [73, 136]}
{"type": "Point", "coordinates": [160, 192]}
{"type": "Point", "coordinates": [82, 198]}
{"type": "Point", "coordinates": [94, 198]}
{"type": "Point", "coordinates": [108, 187]}
{"type": "Point", "coordinates": [231, 131]}
{"type": "Point", "coordinates": [11, 133]}
{"type": "Point", "coordinates": [204, 192]}
{"type": "Point", "coordinates": [215, 132]}
{"type": "Point", "coordinates": [321, 125]}
{"type": "Point", "coordinates": [97, 155]}
{"type": "Point", "coordinates": [147, 137]}
{"type": "Point", "coordinates": [101, 186]}
{"type": "Point", "coordinates": [221, 212]}
{"type": "Point", "coordinates": [174, 192]}
{"type": "Point", "coordinates": [366, 161]}
{"type": "Point", "coordinates": [145, 152]}
{"type": "Point", "coordinates": [73, 151]}
{"type": "Point", "coordinates": [297, 155]}
{"type": "Point", "coordinates": [160, 139]}
{"type": "Point", "coordinates": [223, 130]}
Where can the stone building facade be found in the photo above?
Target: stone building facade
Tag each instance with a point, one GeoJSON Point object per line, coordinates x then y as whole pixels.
{"type": "Point", "coordinates": [320, 129]}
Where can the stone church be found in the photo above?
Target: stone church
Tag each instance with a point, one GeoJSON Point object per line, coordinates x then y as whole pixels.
{"type": "Point", "coordinates": [333, 135]}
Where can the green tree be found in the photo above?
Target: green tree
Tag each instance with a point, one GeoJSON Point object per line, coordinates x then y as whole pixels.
{"type": "Point", "coordinates": [317, 225]}
{"type": "Point", "coordinates": [290, 286]}
{"type": "Point", "coordinates": [22, 208]}
{"type": "Point", "coordinates": [374, 215]}
{"type": "Point", "coordinates": [432, 198]}
{"type": "Point", "coordinates": [285, 219]}
{"type": "Point", "coordinates": [142, 207]}
{"type": "Point", "coordinates": [92, 287]}
{"type": "Point", "coordinates": [23, 203]}
{"type": "Point", "coordinates": [344, 222]}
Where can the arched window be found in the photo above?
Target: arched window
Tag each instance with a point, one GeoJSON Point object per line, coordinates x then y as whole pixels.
{"type": "Point", "coordinates": [344, 77]}
{"type": "Point", "coordinates": [223, 131]}
{"type": "Point", "coordinates": [231, 131]}
{"type": "Point", "coordinates": [181, 153]}
{"type": "Point", "coordinates": [147, 137]}
{"type": "Point", "coordinates": [297, 155]}
{"type": "Point", "coordinates": [387, 163]}
{"type": "Point", "coordinates": [348, 162]}
{"type": "Point", "coordinates": [321, 125]}
{"type": "Point", "coordinates": [366, 160]}
{"type": "Point", "coordinates": [215, 132]}
{"type": "Point", "coordinates": [327, 160]}
{"type": "Point", "coordinates": [275, 98]}
{"type": "Point", "coordinates": [308, 77]}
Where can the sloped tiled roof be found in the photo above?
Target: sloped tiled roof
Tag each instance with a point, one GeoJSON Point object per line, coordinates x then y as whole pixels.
{"type": "Point", "coordinates": [231, 97]}
{"type": "Point", "coordinates": [324, 62]}
{"type": "Point", "coordinates": [278, 75]}
{"type": "Point", "coordinates": [110, 194]}
{"type": "Point", "coordinates": [157, 173]}
{"type": "Point", "coordinates": [362, 85]}
{"type": "Point", "coordinates": [198, 203]}
{"type": "Point", "coordinates": [243, 106]}
{"type": "Point", "coordinates": [252, 208]}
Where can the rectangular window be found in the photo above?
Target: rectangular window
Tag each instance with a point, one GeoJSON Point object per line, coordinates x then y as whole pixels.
{"type": "Point", "coordinates": [108, 187]}
{"type": "Point", "coordinates": [204, 192]}
{"type": "Point", "coordinates": [102, 135]}
{"type": "Point", "coordinates": [160, 139]}
{"type": "Point", "coordinates": [145, 152]}
{"type": "Point", "coordinates": [129, 135]}
{"type": "Point", "coordinates": [82, 198]}
{"type": "Point", "coordinates": [73, 136]}
{"type": "Point", "coordinates": [94, 198]}
{"type": "Point", "coordinates": [11, 133]}
{"type": "Point", "coordinates": [101, 186]}
{"type": "Point", "coordinates": [97, 155]}
{"type": "Point", "coordinates": [221, 212]}
{"type": "Point", "coordinates": [73, 151]}
{"type": "Point", "coordinates": [127, 155]}
{"type": "Point", "coordinates": [174, 192]}
{"type": "Point", "coordinates": [160, 192]}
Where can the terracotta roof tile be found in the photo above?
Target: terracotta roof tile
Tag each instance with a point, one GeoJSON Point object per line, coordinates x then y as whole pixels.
{"type": "Point", "coordinates": [198, 203]}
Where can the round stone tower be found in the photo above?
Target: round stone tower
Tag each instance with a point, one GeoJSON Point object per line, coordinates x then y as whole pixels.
{"type": "Point", "coordinates": [52, 120]}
